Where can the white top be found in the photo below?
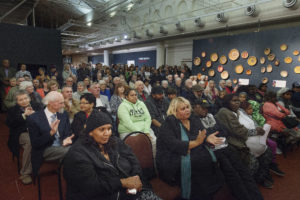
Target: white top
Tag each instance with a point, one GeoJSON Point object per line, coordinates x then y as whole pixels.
{"type": "Point", "coordinates": [48, 115]}
{"type": "Point", "coordinates": [99, 102]}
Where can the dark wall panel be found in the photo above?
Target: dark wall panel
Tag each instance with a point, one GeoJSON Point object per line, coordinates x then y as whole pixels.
{"type": "Point", "coordinates": [36, 46]}
{"type": "Point", "coordinates": [254, 43]}
{"type": "Point", "coordinates": [141, 58]}
{"type": "Point", "coordinates": [96, 59]}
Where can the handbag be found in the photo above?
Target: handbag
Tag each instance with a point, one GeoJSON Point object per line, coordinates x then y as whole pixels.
{"type": "Point", "coordinates": [290, 122]}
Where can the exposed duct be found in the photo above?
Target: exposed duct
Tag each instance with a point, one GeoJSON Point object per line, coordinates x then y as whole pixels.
{"type": "Point", "coordinates": [289, 3]}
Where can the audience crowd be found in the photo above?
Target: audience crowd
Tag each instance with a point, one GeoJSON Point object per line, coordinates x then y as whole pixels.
{"type": "Point", "coordinates": [203, 134]}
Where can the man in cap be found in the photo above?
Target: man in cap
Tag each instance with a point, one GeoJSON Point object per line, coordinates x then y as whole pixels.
{"type": "Point", "coordinates": [157, 106]}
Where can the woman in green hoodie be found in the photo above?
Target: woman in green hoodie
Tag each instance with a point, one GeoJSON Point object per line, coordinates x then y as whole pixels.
{"type": "Point", "coordinates": [133, 115]}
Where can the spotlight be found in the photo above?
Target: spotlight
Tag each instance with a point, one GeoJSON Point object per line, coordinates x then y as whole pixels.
{"type": "Point", "coordinates": [179, 26]}
{"type": "Point", "coordinates": [250, 11]}
{"type": "Point", "coordinates": [163, 30]}
{"type": "Point", "coordinates": [221, 17]}
{"type": "Point", "coordinates": [149, 33]}
{"type": "Point", "coordinates": [198, 22]}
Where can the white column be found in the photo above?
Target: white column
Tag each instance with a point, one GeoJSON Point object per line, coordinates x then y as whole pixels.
{"type": "Point", "coordinates": [160, 55]}
{"type": "Point", "coordinates": [106, 57]}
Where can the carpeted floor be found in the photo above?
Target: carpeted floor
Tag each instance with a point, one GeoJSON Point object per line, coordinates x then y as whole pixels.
{"type": "Point", "coordinates": [285, 188]}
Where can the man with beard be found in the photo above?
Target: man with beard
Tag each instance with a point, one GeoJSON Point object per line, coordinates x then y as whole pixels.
{"type": "Point", "coordinates": [157, 106]}
{"type": "Point", "coordinates": [49, 131]}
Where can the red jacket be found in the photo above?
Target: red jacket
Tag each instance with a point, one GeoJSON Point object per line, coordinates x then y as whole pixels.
{"type": "Point", "coordinates": [274, 117]}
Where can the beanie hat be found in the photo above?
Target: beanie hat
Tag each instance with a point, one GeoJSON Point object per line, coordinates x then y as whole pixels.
{"type": "Point", "coordinates": [157, 90]}
{"type": "Point", "coordinates": [95, 120]}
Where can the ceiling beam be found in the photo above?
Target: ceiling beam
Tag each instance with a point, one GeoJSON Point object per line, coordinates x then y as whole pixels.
{"type": "Point", "coordinates": [12, 10]}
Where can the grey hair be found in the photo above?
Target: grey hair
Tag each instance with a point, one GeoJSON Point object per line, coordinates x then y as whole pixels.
{"type": "Point", "coordinates": [222, 81]}
{"type": "Point", "coordinates": [187, 80]}
{"type": "Point", "coordinates": [93, 85]}
{"type": "Point", "coordinates": [51, 97]}
{"type": "Point", "coordinates": [177, 79]}
{"type": "Point", "coordinates": [137, 83]}
{"type": "Point", "coordinates": [19, 93]}
{"type": "Point", "coordinates": [164, 82]}
{"type": "Point", "coordinates": [63, 89]}
{"type": "Point", "coordinates": [105, 78]}
{"type": "Point", "coordinates": [81, 83]}
{"type": "Point", "coordinates": [102, 82]}
{"type": "Point", "coordinates": [25, 84]}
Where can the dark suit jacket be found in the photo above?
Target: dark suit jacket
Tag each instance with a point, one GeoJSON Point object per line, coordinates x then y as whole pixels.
{"type": "Point", "coordinates": [39, 131]}
{"type": "Point", "coordinates": [11, 73]}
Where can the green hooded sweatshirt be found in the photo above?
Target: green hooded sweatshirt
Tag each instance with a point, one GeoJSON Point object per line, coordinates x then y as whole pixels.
{"type": "Point", "coordinates": [133, 117]}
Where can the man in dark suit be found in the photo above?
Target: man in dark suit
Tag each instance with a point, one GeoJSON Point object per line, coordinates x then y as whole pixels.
{"type": "Point", "coordinates": [50, 132]}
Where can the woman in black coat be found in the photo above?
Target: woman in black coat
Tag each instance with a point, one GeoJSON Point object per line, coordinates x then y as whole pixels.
{"type": "Point", "coordinates": [173, 148]}
{"type": "Point", "coordinates": [101, 166]}
{"type": "Point", "coordinates": [87, 104]}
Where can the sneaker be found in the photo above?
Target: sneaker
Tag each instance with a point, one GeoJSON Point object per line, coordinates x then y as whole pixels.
{"type": "Point", "coordinates": [26, 179]}
{"type": "Point", "coordinates": [267, 184]}
{"type": "Point", "coordinates": [274, 168]}
{"type": "Point", "coordinates": [278, 151]}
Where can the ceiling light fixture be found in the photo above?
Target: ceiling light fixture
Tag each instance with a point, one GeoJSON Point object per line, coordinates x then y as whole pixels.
{"type": "Point", "coordinates": [89, 24]}
{"type": "Point", "coordinates": [130, 6]}
{"type": "Point", "coordinates": [112, 14]}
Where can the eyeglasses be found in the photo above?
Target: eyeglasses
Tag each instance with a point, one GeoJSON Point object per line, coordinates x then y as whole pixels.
{"type": "Point", "coordinates": [84, 103]}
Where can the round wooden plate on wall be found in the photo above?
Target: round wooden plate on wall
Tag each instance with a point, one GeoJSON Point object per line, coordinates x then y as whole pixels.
{"type": "Point", "coordinates": [297, 69]}
{"type": "Point", "coordinates": [271, 56]}
{"type": "Point", "coordinates": [269, 68]}
{"type": "Point", "coordinates": [239, 69]}
{"type": "Point", "coordinates": [263, 70]}
{"type": "Point", "coordinates": [203, 54]}
{"type": "Point", "coordinates": [277, 62]}
{"type": "Point", "coordinates": [284, 73]}
{"type": "Point", "coordinates": [223, 60]}
{"type": "Point", "coordinates": [244, 54]}
{"type": "Point", "coordinates": [249, 72]}
{"type": "Point", "coordinates": [252, 61]}
{"type": "Point", "coordinates": [262, 60]}
{"type": "Point", "coordinates": [234, 54]}
{"type": "Point", "coordinates": [267, 51]}
{"type": "Point", "coordinates": [214, 57]}
{"type": "Point", "coordinates": [211, 72]}
{"type": "Point", "coordinates": [296, 53]}
{"type": "Point", "coordinates": [197, 61]}
{"type": "Point", "coordinates": [283, 47]}
{"type": "Point", "coordinates": [288, 60]}
{"type": "Point", "coordinates": [235, 81]}
{"type": "Point", "coordinates": [225, 75]}
{"type": "Point", "coordinates": [208, 63]}
{"type": "Point", "coordinates": [265, 80]}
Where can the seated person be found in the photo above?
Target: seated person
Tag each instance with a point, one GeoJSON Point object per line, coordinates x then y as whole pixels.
{"type": "Point", "coordinates": [71, 104]}
{"type": "Point", "coordinates": [157, 107]}
{"type": "Point", "coordinates": [101, 166]}
{"type": "Point", "coordinates": [245, 118]}
{"type": "Point", "coordinates": [101, 100]}
{"type": "Point", "coordinates": [87, 105]}
{"type": "Point", "coordinates": [18, 134]}
{"type": "Point", "coordinates": [236, 174]}
{"type": "Point", "coordinates": [117, 99]}
{"type": "Point", "coordinates": [104, 90]}
{"type": "Point", "coordinates": [49, 131]}
{"type": "Point", "coordinates": [182, 159]}
{"type": "Point", "coordinates": [34, 96]}
{"type": "Point", "coordinates": [238, 135]}
{"type": "Point", "coordinates": [133, 115]}
{"type": "Point", "coordinates": [274, 113]}
{"type": "Point", "coordinates": [81, 89]}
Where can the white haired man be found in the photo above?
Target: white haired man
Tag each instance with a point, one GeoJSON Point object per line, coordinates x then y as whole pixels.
{"type": "Point", "coordinates": [50, 132]}
{"type": "Point", "coordinates": [101, 100]}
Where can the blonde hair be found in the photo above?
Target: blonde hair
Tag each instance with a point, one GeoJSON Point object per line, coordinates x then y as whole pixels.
{"type": "Point", "coordinates": [175, 104]}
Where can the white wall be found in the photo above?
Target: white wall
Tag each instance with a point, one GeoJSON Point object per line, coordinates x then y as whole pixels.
{"type": "Point", "coordinates": [179, 52]}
